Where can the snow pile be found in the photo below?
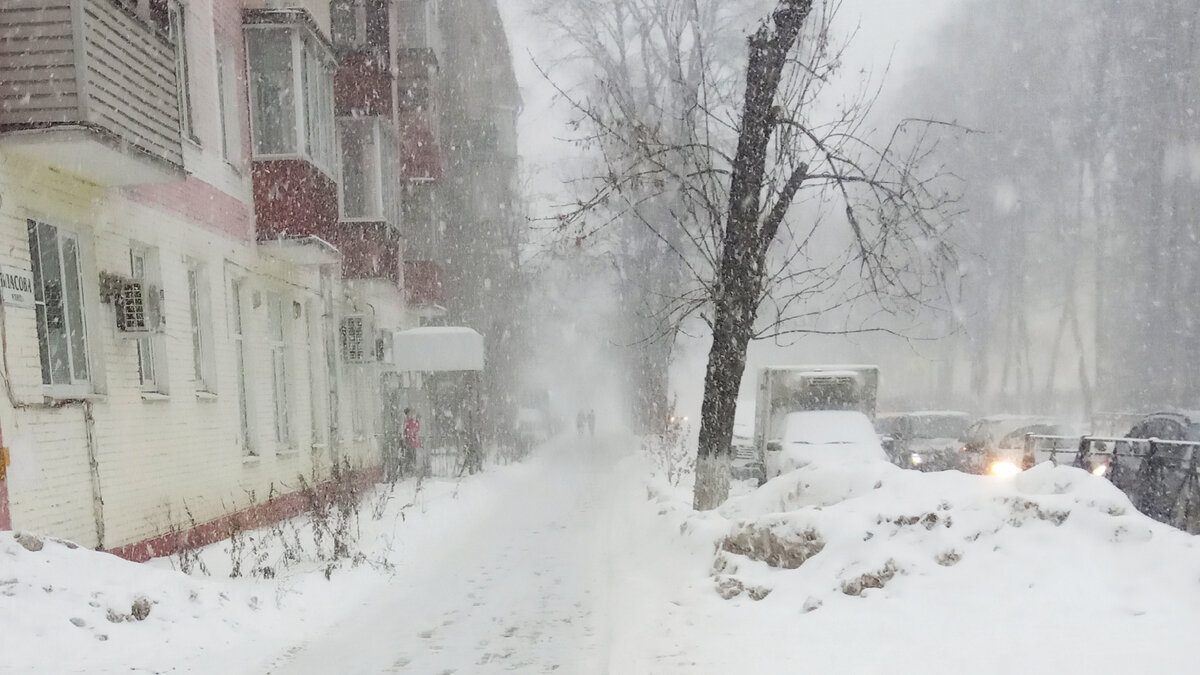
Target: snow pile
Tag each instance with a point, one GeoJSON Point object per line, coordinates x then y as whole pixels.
{"type": "Point", "coordinates": [76, 610]}
{"type": "Point", "coordinates": [868, 568]}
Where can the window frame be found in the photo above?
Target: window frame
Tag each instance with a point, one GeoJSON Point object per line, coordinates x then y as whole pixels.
{"type": "Point", "coordinates": [177, 30]}
{"type": "Point", "coordinates": [278, 348]}
{"type": "Point", "coordinates": [76, 386]}
{"type": "Point", "coordinates": [228, 108]}
{"type": "Point", "coordinates": [236, 316]}
{"type": "Point", "coordinates": [318, 403]}
{"type": "Point", "coordinates": [151, 349]}
{"type": "Point", "coordinates": [384, 166]}
{"type": "Point", "coordinates": [199, 295]}
{"type": "Point", "coordinates": [313, 133]}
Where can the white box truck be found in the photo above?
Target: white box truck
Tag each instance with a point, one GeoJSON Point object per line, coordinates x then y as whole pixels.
{"type": "Point", "coordinates": [788, 389]}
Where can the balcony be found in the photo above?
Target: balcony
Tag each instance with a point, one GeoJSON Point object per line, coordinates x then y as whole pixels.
{"type": "Point", "coordinates": [88, 86]}
{"type": "Point", "coordinates": [370, 185]}
{"type": "Point", "coordinates": [419, 37]}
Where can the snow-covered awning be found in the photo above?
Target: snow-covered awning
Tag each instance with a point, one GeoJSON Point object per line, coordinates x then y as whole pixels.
{"type": "Point", "coordinates": [438, 349]}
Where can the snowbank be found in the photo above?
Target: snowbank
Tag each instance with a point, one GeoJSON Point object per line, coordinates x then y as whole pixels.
{"type": "Point", "coordinates": [69, 609]}
{"type": "Point", "coordinates": [868, 568]}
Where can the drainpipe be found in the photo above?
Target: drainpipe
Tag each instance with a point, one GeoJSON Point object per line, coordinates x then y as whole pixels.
{"type": "Point", "coordinates": [89, 424]}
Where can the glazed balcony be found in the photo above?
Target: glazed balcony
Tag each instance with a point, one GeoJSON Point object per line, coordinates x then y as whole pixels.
{"type": "Point", "coordinates": [90, 87]}
{"type": "Point", "coordinates": [370, 185]}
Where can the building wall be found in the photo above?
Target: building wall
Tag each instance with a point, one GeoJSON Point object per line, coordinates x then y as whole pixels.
{"type": "Point", "coordinates": [118, 466]}
{"type": "Point", "coordinates": [156, 452]}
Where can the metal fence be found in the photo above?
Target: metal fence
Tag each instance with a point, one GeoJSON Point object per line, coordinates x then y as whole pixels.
{"type": "Point", "coordinates": [1159, 476]}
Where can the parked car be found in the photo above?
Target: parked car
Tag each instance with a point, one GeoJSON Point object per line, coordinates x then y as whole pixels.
{"type": "Point", "coordinates": [1155, 475]}
{"type": "Point", "coordinates": [926, 441]}
{"type": "Point", "coordinates": [817, 435]}
{"type": "Point", "coordinates": [996, 444]}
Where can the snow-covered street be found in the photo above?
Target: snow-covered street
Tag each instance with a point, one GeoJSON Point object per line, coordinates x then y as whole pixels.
{"type": "Point", "coordinates": [519, 583]}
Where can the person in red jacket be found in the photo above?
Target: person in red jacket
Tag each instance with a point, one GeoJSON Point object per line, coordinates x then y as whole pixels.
{"type": "Point", "coordinates": [412, 440]}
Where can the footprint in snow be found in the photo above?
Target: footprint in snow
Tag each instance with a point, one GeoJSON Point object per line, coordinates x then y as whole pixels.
{"type": "Point", "coordinates": [426, 634]}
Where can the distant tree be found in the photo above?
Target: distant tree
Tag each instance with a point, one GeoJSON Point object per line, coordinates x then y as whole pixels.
{"type": "Point", "coordinates": [1082, 198]}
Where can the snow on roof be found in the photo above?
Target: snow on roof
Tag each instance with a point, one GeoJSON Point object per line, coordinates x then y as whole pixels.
{"type": "Point", "coordinates": [823, 368]}
{"type": "Point", "coordinates": [922, 413]}
{"type": "Point", "coordinates": [438, 349]}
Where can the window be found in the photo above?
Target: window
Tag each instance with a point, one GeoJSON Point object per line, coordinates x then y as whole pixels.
{"type": "Point", "coordinates": [360, 23]}
{"type": "Point", "coordinates": [237, 331]}
{"type": "Point", "coordinates": [227, 100]}
{"type": "Point", "coordinates": [277, 343]}
{"type": "Point", "coordinates": [317, 83]}
{"type": "Point", "coordinates": [58, 303]}
{"type": "Point", "coordinates": [417, 24]}
{"type": "Point", "coordinates": [198, 313]}
{"type": "Point", "coordinates": [370, 178]}
{"type": "Point", "coordinates": [143, 265]}
{"type": "Point", "coordinates": [176, 29]}
{"type": "Point", "coordinates": [291, 94]}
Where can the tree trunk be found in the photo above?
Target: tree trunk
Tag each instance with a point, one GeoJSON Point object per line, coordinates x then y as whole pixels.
{"type": "Point", "coordinates": [740, 276]}
{"type": "Point", "coordinates": [722, 379]}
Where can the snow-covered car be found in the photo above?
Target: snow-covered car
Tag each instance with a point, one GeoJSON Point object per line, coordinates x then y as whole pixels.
{"type": "Point", "coordinates": [925, 440]}
{"type": "Point", "coordinates": [820, 435]}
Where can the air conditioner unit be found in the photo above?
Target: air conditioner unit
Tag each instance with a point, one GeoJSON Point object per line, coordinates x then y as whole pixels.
{"type": "Point", "coordinates": [139, 307]}
{"type": "Point", "coordinates": [358, 340]}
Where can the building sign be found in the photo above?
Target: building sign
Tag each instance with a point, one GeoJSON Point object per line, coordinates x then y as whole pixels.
{"type": "Point", "coordinates": [16, 286]}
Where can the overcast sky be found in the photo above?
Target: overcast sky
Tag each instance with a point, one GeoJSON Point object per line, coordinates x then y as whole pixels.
{"type": "Point", "coordinates": [889, 31]}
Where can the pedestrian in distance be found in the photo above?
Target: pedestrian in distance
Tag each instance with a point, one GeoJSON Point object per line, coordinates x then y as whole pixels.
{"type": "Point", "coordinates": [591, 421]}
{"type": "Point", "coordinates": [581, 421]}
{"type": "Point", "coordinates": [411, 442]}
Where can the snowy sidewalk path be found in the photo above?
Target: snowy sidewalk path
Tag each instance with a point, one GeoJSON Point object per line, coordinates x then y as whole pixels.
{"type": "Point", "coordinates": [519, 586]}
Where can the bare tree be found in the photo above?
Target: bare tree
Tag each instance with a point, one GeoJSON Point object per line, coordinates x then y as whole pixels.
{"type": "Point", "coordinates": [714, 178]}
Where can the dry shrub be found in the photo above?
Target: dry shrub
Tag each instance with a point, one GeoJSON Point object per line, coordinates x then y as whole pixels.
{"type": "Point", "coordinates": [872, 580]}
{"type": "Point", "coordinates": [762, 544]}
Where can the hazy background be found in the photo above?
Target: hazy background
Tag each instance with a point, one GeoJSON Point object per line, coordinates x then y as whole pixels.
{"type": "Point", "coordinates": [1079, 268]}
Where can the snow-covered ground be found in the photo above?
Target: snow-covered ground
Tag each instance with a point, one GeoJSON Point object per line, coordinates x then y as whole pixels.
{"type": "Point", "coordinates": [577, 561]}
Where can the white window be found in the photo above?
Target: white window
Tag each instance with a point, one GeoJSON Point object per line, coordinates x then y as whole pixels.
{"type": "Point", "coordinates": [277, 334]}
{"type": "Point", "coordinates": [370, 177]}
{"type": "Point", "coordinates": [227, 100]}
{"type": "Point", "coordinates": [199, 313]}
{"type": "Point", "coordinates": [237, 331]}
{"type": "Point", "coordinates": [177, 30]}
{"type": "Point", "coordinates": [316, 371]}
{"type": "Point", "coordinates": [58, 302]}
{"type": "Point", "coordinates": [143, 265]}
{"type": "Point", "coordinates": [291, 94]}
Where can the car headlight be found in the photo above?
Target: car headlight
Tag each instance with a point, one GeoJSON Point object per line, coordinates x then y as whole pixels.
{"type": "Point", "coordinates": [1004, 468]}
{"type": "Point", "coordinates": [1100, 470]}
{"type": "Point", "coordinates": [915, 459]}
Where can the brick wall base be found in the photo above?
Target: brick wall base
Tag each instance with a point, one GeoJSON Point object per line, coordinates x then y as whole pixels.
{"type": "Point", "coordinates": [259, 515]}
